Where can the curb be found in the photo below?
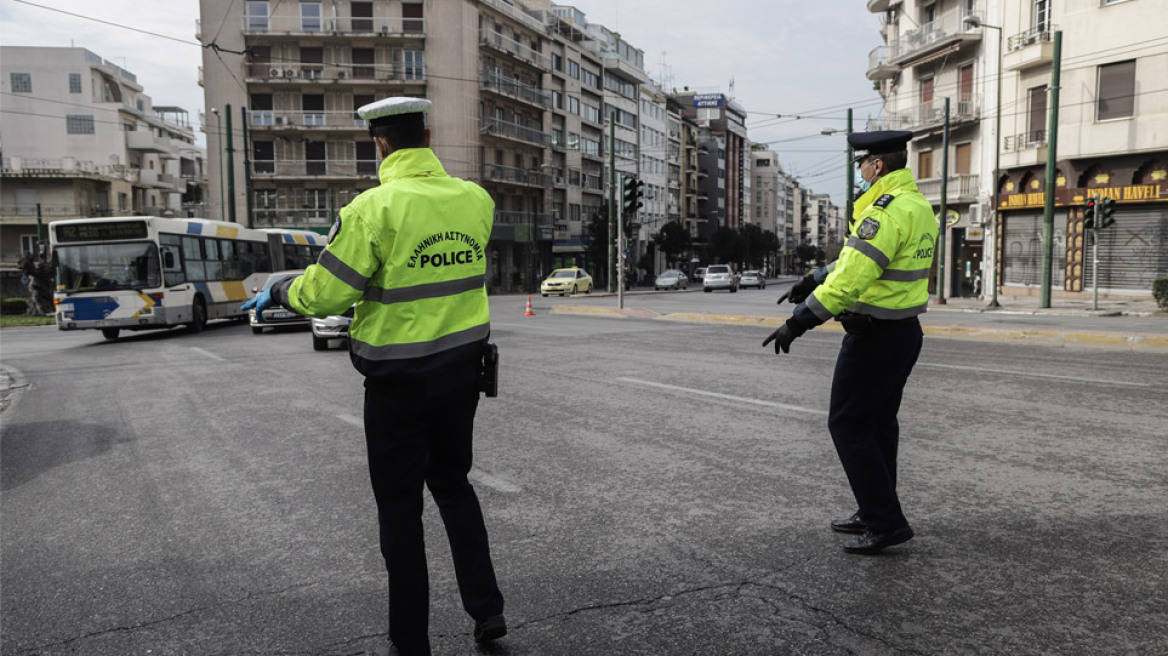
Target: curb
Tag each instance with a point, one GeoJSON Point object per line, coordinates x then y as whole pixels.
{"type": "Point", "coordinates": [1056, 338]}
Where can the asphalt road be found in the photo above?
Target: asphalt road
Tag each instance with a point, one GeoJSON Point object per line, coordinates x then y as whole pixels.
{"type": "Point", "coordinates": [650, 488]}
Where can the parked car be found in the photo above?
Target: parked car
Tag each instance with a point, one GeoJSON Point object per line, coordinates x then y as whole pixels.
{"type": "Point", "coordinates": [671, 279]}
{"type": "Point", "coordinates": [331, 329]}
{"type": "Point", "coordinates": [275, 315]}
{"type": "Point", "coordinates": [719, 276]}
{"type": "Point", "coordinates": [752, 279]}
{"type": "Point", "coordinates": [699, 274]}
{"type": "Point", "coordinates": [572, 280]}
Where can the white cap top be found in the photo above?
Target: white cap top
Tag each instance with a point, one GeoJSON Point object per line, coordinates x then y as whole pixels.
{"type": "Point", "coordinates": [393, 107]}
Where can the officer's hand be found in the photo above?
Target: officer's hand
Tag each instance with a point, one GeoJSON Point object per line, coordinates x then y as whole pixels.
{"type": "Point", "coordinates": [259, 303]}
{"type": "Point", "coordinates": [783, 298]}
{"type": "Point", "coordinates": [782, 339]}
{"type": "Point", "coordinates": [802, 289]}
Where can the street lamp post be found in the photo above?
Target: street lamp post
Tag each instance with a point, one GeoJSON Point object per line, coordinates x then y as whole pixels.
{"type": "Point", "coordinates": [219, 149]}
{"type": "Point", "coordinates": [971, 22]}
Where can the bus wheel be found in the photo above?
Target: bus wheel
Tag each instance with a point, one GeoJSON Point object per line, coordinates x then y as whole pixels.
{"type": "Point", "coordinates": [110, 333]}
{"type": "Point", "coordinates": [198, 316]}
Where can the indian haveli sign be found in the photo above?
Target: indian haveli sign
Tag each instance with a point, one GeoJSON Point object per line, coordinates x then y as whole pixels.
{"type": "Point", "coordinates": [1063, 196]}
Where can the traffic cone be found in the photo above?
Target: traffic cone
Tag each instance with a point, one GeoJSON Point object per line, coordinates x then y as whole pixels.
{"type": "Point", "coordinates": [529, 313]}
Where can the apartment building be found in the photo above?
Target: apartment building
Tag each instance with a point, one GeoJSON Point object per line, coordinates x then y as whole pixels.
{"type": "Point", "coordinates": [726, 121]}
{"type": "Point", "coordinates": [1112, 142]}
{"type": "Point", "coordinates": [83, 139]}
{"type": "Point", "coordinates": [521, 92]}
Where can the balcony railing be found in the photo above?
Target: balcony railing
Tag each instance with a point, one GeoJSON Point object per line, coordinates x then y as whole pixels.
{"type": "Point", "coordinates": [516, 13]}
{"type": "Point", "coordinates": [299, 168]}
{"type": "Point", "coordinates": [292, 118]}
{"type": "Point", "coordinates": [512, 47]}
{"type": "Point", "coordinates": [295, 24]}
{"type": "Point", "coordinates": [522, 218]}
{"type": "Point", "coordinates": [1030, 49]}
{"type": "Point", "coordinates": [962, 187]}
{"type": "Point", "coordinates": [500, 173]}
{"type": "Point", "coordinates": [928, 115]}
{"type": "Point", "coordinates": [502, 128]}
{"type": "Point", "coordinates": [1024, 141]}
{"type": "Point", "coordinates": [878, 66]}
{"type": "Point", "coordinates": [332, 72]}
{"type": "Point", "coordinates": [514, 88]}
{"type": "Point", "coordinates": [945, 30]}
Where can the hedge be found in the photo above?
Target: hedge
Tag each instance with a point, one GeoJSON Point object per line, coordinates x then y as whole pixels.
{"type": "Point", "coordinates": [14, 306]}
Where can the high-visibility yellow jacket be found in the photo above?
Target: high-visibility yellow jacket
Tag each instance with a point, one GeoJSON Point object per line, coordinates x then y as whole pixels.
{"type": "Point", "coordinates": [883, 269]}
{"type": "Point", "coordinates": [412, 254]}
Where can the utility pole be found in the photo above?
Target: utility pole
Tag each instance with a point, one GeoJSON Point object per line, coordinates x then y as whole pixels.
{"type": "Point", "coordinates": [1051, 158]}
{"type": "Point", "coordinates": [944, 208]}
{"type": "Point", "coordinates": [247, 168]}
{"type": "Point", "coordinates": [230, 167]}
{"type": "Point", "coordinates": [851, 169]}
{"type": "Point", "coordinates": [611, 199]}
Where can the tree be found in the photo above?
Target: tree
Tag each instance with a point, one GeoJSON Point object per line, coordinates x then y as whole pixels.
{"type": "Point", "coordinates": [673, 240]}
{"type": "Point", "coordinates": [38, 275]}
{"type": "Point", "coordinates": [726, 245]}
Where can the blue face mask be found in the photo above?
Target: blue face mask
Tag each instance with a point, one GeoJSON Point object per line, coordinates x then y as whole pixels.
{"type": "Point", "coordinates": [864, 185]}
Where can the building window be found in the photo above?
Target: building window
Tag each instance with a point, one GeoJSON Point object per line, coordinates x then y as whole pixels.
{"type": "Point", "coordinates": [74, 83]}
{"type": "Point", "coordinates": [363, 63]}
{"type": "Point", "coordinates": [362, 16]}
{"type": "Point", "coordinates": [263, 157]}
{"type": "Point", "coordinates": [557, 100]}
{"type": "Point", "coordinates": [315, 158]}
{"type": "Point", "coordinates": [415, 65]}
{"type": "Point", "coordinates": [312, 106]}
{"type": "Point", "coordinates": [573, 69]}
{"type": "Point", "coordinates": [1036, 117]}
{"type": "Point", "coordinates": [310, 16]}
{"type": "Point", "coordinates": [557, 62]}
{"type": "Point", "coordinates": [28, 244]}
{"type": "Point", "coordinates": [924, 165]}
{"type": "Point", "coordinates": [21, 82]}
{"type": "Point", "coordinates": [412, 17]}
{"type": "Point", "coordinates": [1041, 16]}
{"type": "Point", "coordinates": [1116, 91]}
{"type": "Point", "coordinates": [367, 158]}
{"type": "Point", "coordinates": [257, 16]}
{"type": "Point", "coordinates": [261, 109]}
{"type": "Point", "coordinates": [573, 105]}
{"type": "Point", "coordinates": [79, 124]}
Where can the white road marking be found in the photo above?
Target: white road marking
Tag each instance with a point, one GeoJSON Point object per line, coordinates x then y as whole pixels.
{"type": "Point", "coordinates": [727, 397]}
{"type": "Point", "coordinates": [1081, 379]}
{"type": "Point", "coordinates": [494, 482]}
{"type": "Point", "coordinates": [207, 353]}
{"type": "Point", "coordinates": [350, 419]}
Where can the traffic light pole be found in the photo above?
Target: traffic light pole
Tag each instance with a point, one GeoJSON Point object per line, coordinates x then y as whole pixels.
{"type": "Point", "coordinates": [1095, 261]}
{"type": "Point", "coordinates": [1051, 158]}
{"type": "Point", "coordinates": [611, 198]}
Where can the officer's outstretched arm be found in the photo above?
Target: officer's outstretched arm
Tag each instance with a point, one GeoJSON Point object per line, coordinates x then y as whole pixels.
{"type": "Point", "coordinates": [339, 278]}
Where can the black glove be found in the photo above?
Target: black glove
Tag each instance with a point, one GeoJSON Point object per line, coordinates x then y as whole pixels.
{"type": "Point", "coordinates": [802, 289]}
{"type": "Point", "coordinates": [785, 335]}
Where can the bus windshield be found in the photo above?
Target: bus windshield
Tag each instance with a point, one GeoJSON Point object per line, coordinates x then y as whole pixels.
{"type": "Point", "coordinates": [96, 267]}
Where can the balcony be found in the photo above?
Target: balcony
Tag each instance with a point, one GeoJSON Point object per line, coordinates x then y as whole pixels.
{"type": "Point", "coordinates": [499, 128]}
{"type": "Point", "coordinates": [522, 218]}
{"type": "Point", "coordinates": [292, 119]}
{"type": "Point", "coordinates": [293, 72]}
{"type": "Point", "coordinates": [145, 142]}
{"type": "Point", "coordinates": [962, 188]}
{"type": "Point", "coordinates": [152, 178]}
{"type": "Point", "coordinates": [941, 36]}
{"type": "Point", "coordinates": [878, 66]}
{"type": "Point", "coordinates": [515, 13]}
{"type": "Point", "coordinates": [313, 168]}
{"type": "Point", "coordinates": [877, 6]}
{"type": "Point", "coordinates": [293, 24]}
{"type": "Point", "coordinates": [515, 175]}
{"type": "Point", "coordinates": [1030, 49]}
{"type": "Point", "coordinates": [496, 41]}
{"type": "Point", "coordinates": [512, 88]}
{"type": "Point", "coordinates": [930, 115]}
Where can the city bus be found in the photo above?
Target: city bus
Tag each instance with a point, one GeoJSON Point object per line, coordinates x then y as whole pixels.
{"type": "Point", "coordinates": [144, 272]}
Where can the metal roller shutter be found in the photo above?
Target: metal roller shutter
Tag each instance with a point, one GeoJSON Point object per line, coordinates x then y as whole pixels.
{"type": "Point", "coordinates": [1022, 250]}
{"type": "Point", "coordinates": [1132, 252]}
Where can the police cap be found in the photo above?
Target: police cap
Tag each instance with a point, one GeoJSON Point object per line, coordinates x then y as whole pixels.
{"type": "Point", "coordinates": [879, 142]}
{"type": "Point", "coordinates": [400, 111]}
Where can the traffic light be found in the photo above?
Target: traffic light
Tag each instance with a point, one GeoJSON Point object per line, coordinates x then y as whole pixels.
{"type": "Point", "coordinates": [1106, 210]}
{"type": "Point", "coordinates": [1089, 214]}
{"type": "Point", "coordinates": [631, 194]}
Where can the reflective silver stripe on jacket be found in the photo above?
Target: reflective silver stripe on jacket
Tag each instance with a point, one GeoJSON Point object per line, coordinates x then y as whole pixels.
{"type": "Point", "coordinates": [427, 290]}
{"type": "Point", "coordinates": [868, 249]}
{"type": "Point", "coordinates": [346, 273]}
{"type": "Point", "coordinates": [817, 308]}
{"type": "Point", "coordinates": [888, 313]}
{"type": "Point", "coordinates": [898, 275]}
{"type": "Point", "coordinates": [420, 349]}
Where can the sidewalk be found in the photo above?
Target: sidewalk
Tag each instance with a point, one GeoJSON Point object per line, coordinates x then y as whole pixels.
{"type": "Point", "coordinates": [1124, 323]}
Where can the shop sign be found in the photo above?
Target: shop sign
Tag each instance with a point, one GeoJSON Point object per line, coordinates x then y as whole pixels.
{"type": "Point", "coordinates": [1147, 193]}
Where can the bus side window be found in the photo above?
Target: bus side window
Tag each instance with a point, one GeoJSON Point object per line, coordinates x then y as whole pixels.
{"type": "Point", "coordinates": [211, 252]}
{"type": "Point", "coordinates": [193, 257]}
{"type": "Point", "coordinates": [263, 259]}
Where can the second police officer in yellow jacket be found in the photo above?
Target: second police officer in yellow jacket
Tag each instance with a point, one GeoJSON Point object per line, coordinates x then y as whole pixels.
{"type": "Point", "coordinates": [876, 289]}
{"type": "Point", "coordinates": [411, 253]}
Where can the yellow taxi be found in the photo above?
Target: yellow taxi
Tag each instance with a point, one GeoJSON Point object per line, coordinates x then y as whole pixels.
{"type": "Point", "coordinates": [567, 281]}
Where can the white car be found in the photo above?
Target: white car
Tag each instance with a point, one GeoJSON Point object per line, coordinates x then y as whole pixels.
{"type": "Point", "coordinates": [719, 276]}
{"type": "Point", "coordinates": [331, 330]}
{"type": "Point", "coordinates": [275, 315]}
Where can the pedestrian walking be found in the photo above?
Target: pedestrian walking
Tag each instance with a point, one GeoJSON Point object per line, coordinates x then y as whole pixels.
{"type": "Point", "coordinates": [876, 289]}
{"type": "Point", "coordinates": [411, 253]}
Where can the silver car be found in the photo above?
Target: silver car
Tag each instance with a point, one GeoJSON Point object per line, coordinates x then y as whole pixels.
{"type": "Point", "coordinates": [275, 315]}
{"type": "Point", "coordinates": [752, 279]}
{"type": "Point", "coordinates": [333, 329]}
{"type": "Point", "coordinates": [719, 276]}
{"type": "Point", "coordinates": [671, 279]}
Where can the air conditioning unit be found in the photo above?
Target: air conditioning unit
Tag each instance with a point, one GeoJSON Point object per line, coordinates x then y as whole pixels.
{"type": "Point", "coordinates": [283, 120]}
{"type": "Point", "coordinates": [342, 75]}
{"type": "Point", "coordinates": [276, 72]}
{"type": "Point", "coordinates": [975, 215]}
{"type": "Point", "coordinates": [290, 72]}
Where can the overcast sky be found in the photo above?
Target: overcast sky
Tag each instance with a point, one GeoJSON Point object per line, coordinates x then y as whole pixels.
{"type": "Point", "coordinates": [786, 57]}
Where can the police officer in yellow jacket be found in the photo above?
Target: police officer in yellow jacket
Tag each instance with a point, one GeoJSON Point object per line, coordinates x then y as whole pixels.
{"type": "Point", "coordinates": [876, 289]}
{"type": "Point", "coordinates": [411, 253]}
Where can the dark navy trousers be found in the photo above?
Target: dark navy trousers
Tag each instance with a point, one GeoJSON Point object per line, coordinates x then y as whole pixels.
{"type": "Point", "coordinates": [414, 438]}
{"type": "Point", "coordinates": [870, 374]}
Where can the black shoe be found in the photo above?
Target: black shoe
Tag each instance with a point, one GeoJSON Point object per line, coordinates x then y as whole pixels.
{"type": "Point", "coordinates": [492, 628]}
{"type": "Point", "coordinates": [852, 524]}
{"type": "Point", "coordinates": [870, 543]}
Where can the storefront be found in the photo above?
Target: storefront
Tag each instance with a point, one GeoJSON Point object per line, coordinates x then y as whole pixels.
{"type": "Point", "coordinates": [1133, 252]}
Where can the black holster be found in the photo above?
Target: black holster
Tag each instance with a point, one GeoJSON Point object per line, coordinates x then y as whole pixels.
{"type": "Point", "coordinates": [489, 374]}
{"type": "Point", "coordinates": [857, 324]}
